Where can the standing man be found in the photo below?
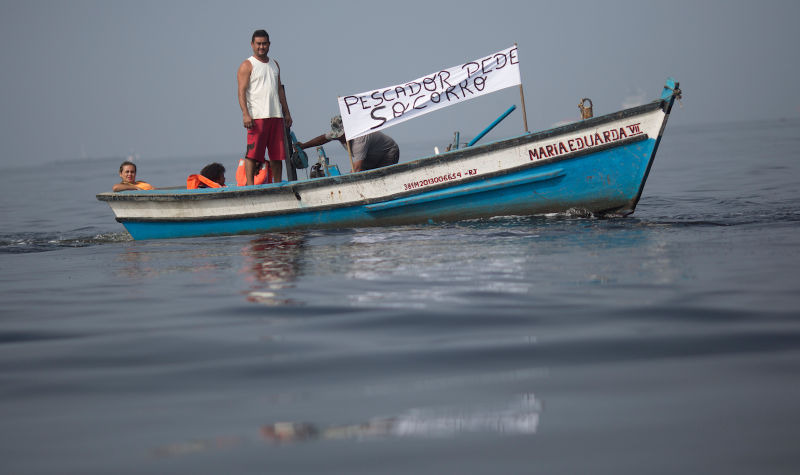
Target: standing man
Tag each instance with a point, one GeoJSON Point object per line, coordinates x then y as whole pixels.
{"type": "Point", "coordinates": [264, 108]}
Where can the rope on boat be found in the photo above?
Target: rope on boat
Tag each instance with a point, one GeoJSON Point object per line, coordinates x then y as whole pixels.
{"type": "Point", "coordinates": [676, 91]}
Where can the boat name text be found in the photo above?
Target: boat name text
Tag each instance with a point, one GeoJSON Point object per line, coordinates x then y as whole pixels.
{"type": "Point", "coordinates": [439, 179]}
{"type": "Point", "coordinates": [587, 141]}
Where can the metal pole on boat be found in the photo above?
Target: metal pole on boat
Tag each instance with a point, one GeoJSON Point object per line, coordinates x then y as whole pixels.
{"type": "Point", "coordinates": [491, 126]}
{"type": "Point", "coordinates": [522, 100]}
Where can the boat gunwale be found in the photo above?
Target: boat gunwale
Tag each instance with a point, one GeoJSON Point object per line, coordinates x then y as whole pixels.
{"type": "Point", "coordinates": [299, 186]}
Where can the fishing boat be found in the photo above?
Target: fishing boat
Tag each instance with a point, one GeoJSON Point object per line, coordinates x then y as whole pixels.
{"type": "Point", "coordinates": [598, 165]}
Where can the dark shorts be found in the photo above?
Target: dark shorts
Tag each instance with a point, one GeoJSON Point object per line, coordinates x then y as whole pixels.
{"type": "Point", "coordinates": [392, 156]}
{"type": "Point", "coordinates": [266, 134]}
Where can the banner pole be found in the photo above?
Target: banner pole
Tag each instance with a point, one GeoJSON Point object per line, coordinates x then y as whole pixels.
{"type": "Point", "coordinates": [522, 100]}
{"type": "Point", "coordinates": [347, 143]}
{"type": "Point", "coordinates": [524, 115]}
{"type": "Point", "coordinates": [349, 154]}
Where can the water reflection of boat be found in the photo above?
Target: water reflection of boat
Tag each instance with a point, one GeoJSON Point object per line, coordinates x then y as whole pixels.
{"type": "Point", "coordinates": [271, 263]}
{"type": "Point", "coordinates": [599, 165]}
{"type": "Point", "coordinates": [520, 417]}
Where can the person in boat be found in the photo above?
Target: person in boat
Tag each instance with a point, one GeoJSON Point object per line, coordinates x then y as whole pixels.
{"type": "Point", "coordinates": [369, 151]}
{"type": "Point", "coordinates": [265, 112]}
{"type": "Point", "coordinates": [127, 171]}
{"type": "Point", "coordinates": [211, 176]}
{"type": "Point", "coordinates": [262, 174]}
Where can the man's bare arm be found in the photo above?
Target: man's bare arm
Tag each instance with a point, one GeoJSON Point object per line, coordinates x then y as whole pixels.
{"type": "Point", "coordinates": [243, 81]}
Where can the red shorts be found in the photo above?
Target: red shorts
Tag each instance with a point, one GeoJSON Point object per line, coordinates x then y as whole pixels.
{"type": "Point", "coordinates": [266, 134]}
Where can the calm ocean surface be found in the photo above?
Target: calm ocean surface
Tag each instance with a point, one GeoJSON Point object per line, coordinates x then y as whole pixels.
{"type": "Point", "coordinates": [662, 343]}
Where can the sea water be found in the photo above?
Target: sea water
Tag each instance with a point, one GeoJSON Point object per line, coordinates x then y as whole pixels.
{"type": "Point", "coordinates": [661, 343]}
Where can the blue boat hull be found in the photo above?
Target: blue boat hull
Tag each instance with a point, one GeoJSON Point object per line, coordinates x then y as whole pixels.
{"type": "Point", "coordinates": [602, 182]}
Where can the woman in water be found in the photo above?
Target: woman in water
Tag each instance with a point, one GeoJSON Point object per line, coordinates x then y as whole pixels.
{"type": "Point", "coordinates": [127, 171]}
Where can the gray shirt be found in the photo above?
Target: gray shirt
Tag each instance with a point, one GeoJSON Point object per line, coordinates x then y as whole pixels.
{"type": "Point", "coordinates": [375, 150]}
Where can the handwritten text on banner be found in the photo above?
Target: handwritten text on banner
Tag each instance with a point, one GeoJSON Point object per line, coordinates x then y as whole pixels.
{"type": "Point", "coordinates": [381, 108]}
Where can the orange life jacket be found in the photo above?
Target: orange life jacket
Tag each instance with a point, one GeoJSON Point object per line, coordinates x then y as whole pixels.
{"type": "Point", "coordinates": [193, 182]}
{"type": "Point", "coordinates": [264, 176]}
{"type": "Point", "coordinates": [143, 185]}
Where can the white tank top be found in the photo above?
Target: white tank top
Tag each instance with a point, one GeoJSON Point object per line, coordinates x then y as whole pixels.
{"type": "Point", "coordinates": [262, 93]}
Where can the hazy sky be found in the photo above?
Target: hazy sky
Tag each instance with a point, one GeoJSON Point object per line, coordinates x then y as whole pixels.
{"type": "Point", "coordinates": [158, 79]}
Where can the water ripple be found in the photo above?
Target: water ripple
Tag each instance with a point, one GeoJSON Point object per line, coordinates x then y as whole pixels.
{"type": "Point", "coordinates": [21, 243]}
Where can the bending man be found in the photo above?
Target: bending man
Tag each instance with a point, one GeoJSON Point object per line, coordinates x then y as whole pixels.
{"type": "Point", "coordinates": [370, 151]}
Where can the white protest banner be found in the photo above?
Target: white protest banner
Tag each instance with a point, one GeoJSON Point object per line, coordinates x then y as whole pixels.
{"type": "Point", "coordinates": [381, 108]}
